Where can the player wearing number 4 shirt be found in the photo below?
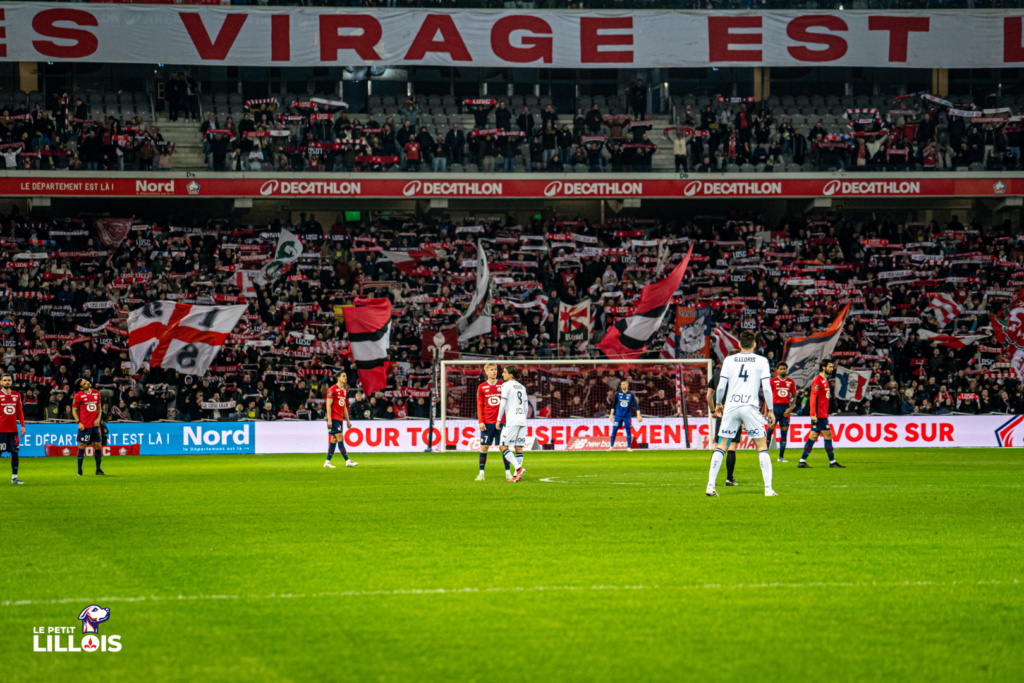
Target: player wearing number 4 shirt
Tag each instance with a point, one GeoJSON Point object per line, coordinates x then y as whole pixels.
{"type": "Point", "coordinates": [820, 394]}
{"type": "Point", "coordinates": [337, 416]}
{"type": "Point", "coordinates": [87, 409]}
{"type": "Point", "coordinates": [744, 377]}
{"type": "Point", "coordinates": [11, 414]}
{"type": "Point", "coordinates": [783, 390]}
{"type": "Point", "coordinates": [513, 407]}
{"type": "Point", "coordinates": [488, 401]}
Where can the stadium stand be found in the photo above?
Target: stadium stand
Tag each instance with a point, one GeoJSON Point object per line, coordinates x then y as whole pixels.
{"type": "Point", "coordinates": [293, 132]}
{"type": "Point", "coordinates": [65, 300]}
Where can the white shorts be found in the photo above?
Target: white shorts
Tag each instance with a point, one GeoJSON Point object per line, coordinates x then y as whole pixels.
{"type": "Point", "coordinates": [750, 418]}
{"type": "Point", "coordinates": [513, 435]}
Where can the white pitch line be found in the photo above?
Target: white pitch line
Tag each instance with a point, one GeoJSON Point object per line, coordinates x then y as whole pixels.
{"type": "Point", "coordinates": [501, 589]}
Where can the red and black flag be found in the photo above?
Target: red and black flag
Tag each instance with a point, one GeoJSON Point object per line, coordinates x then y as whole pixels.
{"type": "Point", "coordinates": [369, 333]}
{"type": "Point", "coordinates": [630, 337]}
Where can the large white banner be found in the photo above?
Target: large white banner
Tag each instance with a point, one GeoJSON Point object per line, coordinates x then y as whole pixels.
{"type": "Point", "coordinates": [249, 36]}
{"type": "Point", "coordinates": [410, 436]}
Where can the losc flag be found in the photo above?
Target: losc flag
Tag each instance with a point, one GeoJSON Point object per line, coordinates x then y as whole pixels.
{"type": "Point", "coordinates": [803, 354]}
{"type": "Point", "coordinates": [851, 385]}
{"type": "Point", "coordinates": [574, 324]}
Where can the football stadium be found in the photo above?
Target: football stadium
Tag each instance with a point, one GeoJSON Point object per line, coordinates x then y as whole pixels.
{"type": "Point", "coordinates": [541, 281]}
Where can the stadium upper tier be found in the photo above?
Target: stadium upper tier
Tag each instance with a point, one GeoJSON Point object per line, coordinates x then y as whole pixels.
{"type": "Point", "coordinates": [108, 131]}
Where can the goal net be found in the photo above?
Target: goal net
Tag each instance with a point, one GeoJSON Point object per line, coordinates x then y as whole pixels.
{"type": "Point", "coordinates": [570, 402]}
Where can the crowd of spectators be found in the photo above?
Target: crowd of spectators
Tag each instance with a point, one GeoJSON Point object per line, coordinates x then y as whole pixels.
{"type": "Point", "coordinates": [915, 133]}
{"type": "Point", "coordinates": [66, 297]}
{"type": "Point", "coordinates": [728, 134]}
{"type": "Point", "coordinates": [67, 138]}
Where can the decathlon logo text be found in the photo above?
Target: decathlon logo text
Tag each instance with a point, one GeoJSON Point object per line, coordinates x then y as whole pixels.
{"type": "Point", "coordinates": [731, 189]}
{"type": "Point", "coordinates": [417, 187]}
{"type": "Point", "coordinates": [324, 188]}
{"type": "Point", "coordinates": [876, 187]}
{"type": "Point", "coordinates": [584, 189]}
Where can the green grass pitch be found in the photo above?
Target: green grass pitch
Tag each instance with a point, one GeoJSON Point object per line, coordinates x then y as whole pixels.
{"type": "Point", "coordinates": [907, 566]}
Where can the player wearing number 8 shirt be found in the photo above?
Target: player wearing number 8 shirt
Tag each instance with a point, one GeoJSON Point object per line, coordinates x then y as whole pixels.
{"type": "Point", "coordinates": [86, 409]}
{"type": "Point", "coordinates": [488, 401]}
{"type": "Point", "coordinates": [513, 407]}
{"type": "Point", "coordinates": [745, 376]}
{"type": "Point", "coordinates": [11, 414]}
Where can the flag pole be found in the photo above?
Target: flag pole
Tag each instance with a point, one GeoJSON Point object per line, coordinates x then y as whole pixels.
{"type": "Point", "coordinates": [433, 409]}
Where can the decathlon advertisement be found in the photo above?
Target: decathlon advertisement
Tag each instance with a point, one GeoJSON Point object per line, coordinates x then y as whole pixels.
{"type": "Point", "coordinates": [404, 436]}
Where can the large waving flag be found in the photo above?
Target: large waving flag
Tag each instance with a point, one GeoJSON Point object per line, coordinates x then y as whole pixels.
{"type": "Point", "coordinates": [288, 249]}
{"type": "Point", "coordinates": [803, 354]}
{"type": "Point", "coordinates": [723, 342]}
{"type": "Point", "coordinates": [629, 337]}
{"type": "Point", "coordinates": [945, 309]}
{"type": "Point", "coordinates": [477, 319]}
{"type": "Point", "coordinates": [409, 261]}
{"type": "Point", "coordinates": [950, 340]}
{"type": "Point", "coordinates": [179, 337]}
{"type": "Point", "coordinates": [851, 385]}
{"type": "Point", "coordinates": [369, 333]}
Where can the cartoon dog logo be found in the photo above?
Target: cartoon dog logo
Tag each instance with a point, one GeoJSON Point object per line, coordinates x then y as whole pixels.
{"type": "Point", "coordinates": [91, 618]}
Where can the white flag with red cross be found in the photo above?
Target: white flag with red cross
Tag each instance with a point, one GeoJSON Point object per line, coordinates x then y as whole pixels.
{"type": "Point", "coordinates": [244, 284]}
{"type": "Point", "coordinates": [179, 337]}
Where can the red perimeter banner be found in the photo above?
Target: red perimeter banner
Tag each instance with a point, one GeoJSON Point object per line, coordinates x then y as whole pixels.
{"type": "Point", "coordinates": [376, 185]}
{"type": "Point", "coordinates": [246, 36]}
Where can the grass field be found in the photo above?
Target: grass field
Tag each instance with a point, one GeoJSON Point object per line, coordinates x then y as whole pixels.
{"type": "Point", "coordinates": [908, 565]}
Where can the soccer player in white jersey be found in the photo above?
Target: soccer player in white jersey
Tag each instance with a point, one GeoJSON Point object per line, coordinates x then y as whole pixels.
{"type": "Point", "coordinates": [743, 376]}
{"type": "Point", "coordinates": [513, 408]}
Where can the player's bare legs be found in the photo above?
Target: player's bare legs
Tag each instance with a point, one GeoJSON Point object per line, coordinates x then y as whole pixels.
{"type": "Point", "coordinates": [763, 456]}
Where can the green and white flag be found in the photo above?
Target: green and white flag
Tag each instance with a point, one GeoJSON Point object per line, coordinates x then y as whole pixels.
{"type": "Point", "coordinates": [288, 249]}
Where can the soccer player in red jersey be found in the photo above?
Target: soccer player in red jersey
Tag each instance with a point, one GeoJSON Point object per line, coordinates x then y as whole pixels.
{"type": "Point", "coordinates": [820, 394]}
{"type": "Point", "coordinates": [11, 414]}
{"type": "Point", "coordinates": [783, 390]}
{"type": "Point", "coordinates": [488, 399]}
{"type": "Point", "coordinates": [87, 410]}
{"type": "Point", "coordinates": [337, 416]}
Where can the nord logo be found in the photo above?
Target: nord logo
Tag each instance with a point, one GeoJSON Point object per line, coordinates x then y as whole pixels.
{"type": "Point", "coordinates": [216, 437]}
{"type": "Point", "coordinates": [155, 186]}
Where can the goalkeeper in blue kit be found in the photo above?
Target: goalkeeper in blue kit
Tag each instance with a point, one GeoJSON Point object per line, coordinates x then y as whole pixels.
{"type": "Point", "coordinates": [622, 416]}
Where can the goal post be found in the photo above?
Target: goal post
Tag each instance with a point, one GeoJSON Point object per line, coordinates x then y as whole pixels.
{"type": "Point", "coordinates": [570, 400]}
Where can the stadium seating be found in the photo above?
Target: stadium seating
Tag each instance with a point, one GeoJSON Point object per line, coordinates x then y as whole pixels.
{"type": "Point", "coordinates": [190, 149]}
